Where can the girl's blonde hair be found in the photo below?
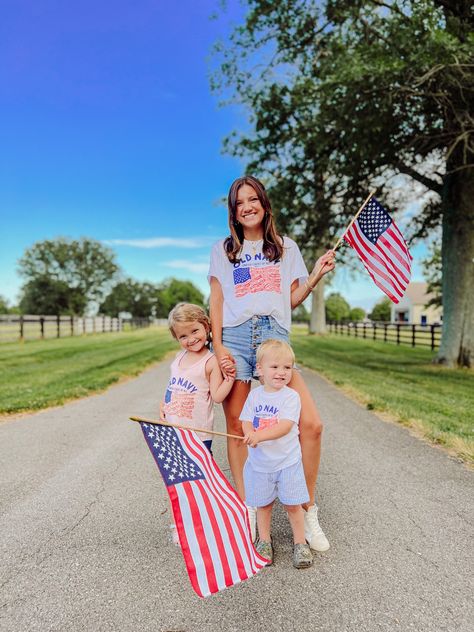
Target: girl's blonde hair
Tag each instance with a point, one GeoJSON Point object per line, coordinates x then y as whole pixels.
{"type": "Point", "coordinates": [188, 313]}
{"type": "Point", "coordinates": [272, 242]}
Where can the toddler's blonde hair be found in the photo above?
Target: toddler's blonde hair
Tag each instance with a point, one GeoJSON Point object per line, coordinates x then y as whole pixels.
{"type": "Point", "coordinates": [188, 313]}
{"type": "Point", "coordinates": [275, 347]}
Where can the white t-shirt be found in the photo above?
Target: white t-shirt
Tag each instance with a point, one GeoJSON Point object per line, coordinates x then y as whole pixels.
{"type": "Point", "coordinates": [256, 286]}
{"type": "Point", "coordinates": [265, 410]}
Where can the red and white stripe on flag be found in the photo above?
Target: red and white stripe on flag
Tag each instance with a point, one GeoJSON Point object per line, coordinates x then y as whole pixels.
{"type": "Point", "coordinates": [211, 519]}
{"type": "Point", "coordinates": [380, 245]}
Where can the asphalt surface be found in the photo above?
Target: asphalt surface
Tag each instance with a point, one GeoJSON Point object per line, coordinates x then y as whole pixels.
{"type": "Point", "coordinates": [84, 529]}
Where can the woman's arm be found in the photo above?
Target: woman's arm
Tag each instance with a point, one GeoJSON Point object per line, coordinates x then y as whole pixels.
{"type": "Point", "coordinates": [216, 304]}
{"type": "Point", "coordinates": [322, 266]}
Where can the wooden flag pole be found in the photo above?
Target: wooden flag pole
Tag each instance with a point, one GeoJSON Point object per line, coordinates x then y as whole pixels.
{"type": "Point", "coordinates": [372, 193]}
{"type": "Point", "coordinates": [307, 284]}
{"type": "Point", "coordinates": [161, 422]}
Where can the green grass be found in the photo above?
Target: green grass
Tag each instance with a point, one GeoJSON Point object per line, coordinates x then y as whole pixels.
{"type": "Point", "coordinates": [399, 381]}
{"type": "Point", "coordinates": [41, 373]}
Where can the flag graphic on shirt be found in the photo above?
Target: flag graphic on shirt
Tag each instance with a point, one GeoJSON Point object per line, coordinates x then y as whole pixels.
{"type": "Point", "coordinates": [211, 519]}
{"type": "Point", "coordinates": [252, 280]}
{"type": "Point", "coordinates": [382, 249]}
{"type": "Point", "coordinates": [260, 423]}
{"type": "Point", "coordinates": [179, 404]}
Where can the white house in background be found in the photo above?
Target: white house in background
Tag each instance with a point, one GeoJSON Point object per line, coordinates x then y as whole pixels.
{"type": "Point", "coordinates": [411, 308]}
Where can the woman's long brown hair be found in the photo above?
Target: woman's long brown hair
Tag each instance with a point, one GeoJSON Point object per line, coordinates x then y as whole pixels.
{"type": "Point", "coordinates": [272, 241]}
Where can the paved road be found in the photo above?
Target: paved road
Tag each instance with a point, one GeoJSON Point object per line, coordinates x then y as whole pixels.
{"type": "Point", "coordinates": [84, 530]}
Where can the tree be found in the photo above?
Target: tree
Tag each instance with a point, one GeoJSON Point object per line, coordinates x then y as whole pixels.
{"type": "Point", "coordinates": [65, 276]}
{"type": "Point", "coordinates": [432, 271]}
{"type": "Point", "coordinates": [357, 314]}
{"type": "Point", "coordinates": [349, 94]}
{"type": "Point", "coordinates": [337, 308]}
{"type": "Point", "coordinates": [138, 299]}
{"type": "Point", "coordinates": [300, 314]}
{"type": "Point", "coordinates": [4, 309]}
{"type": "Point", "coordinates": [382, 311]}
{"type": "Point", "coordinates": [173, 291]}
{"type": "Point", "coordinates": [44, 295]}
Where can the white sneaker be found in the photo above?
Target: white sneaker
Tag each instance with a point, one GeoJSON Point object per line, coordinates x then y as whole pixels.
{"type": "Point", "coordinates": [313, 533]}
{"type": "Point", "coordinates": [174, 537]}
{"type": "Point", "coordinates": [252, 514]}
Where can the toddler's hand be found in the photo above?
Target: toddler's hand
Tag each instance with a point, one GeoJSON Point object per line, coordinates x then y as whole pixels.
{"type": "Point", "coordinates": [251, 439]}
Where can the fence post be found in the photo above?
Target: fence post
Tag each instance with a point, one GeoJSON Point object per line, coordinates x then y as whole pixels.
{"type": "Point", "coordinates": [356, 332]}
{"type": "Point", "coordinates": [83, 324]}
{"type": "Point", "coordinates": [363, 330]}
{"type": "Point", "coordinates": [21, 328]}
{"type": "Point", "coordinates": [42, 326]}
{"type": "Point", "coordinates": [385, 332]}
{"type": "Point", "coordinates": [58, 326]}
{"type": "Point", "coordinates": [432, 338]}
{"type": "Point", "coordinates": [374, 325]}
{"type": "Point", "coordinates": [398, 333]}
{"type": "Point", "coordinates": [413, 335]}
{"type": "Point", "coordinates": [72, 325]}
{"type": "Point", "coordinates": [103, 324]}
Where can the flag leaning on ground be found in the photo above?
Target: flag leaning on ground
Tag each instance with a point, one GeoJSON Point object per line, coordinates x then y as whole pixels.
{"type": "Point", "coordinates": [382, 249]}
{"type": "Point", "coordinates": [211, 519]}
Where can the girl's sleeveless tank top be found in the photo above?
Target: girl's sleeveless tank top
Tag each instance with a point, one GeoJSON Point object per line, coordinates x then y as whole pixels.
{"type": "Point", "coordinates": [188, 398]}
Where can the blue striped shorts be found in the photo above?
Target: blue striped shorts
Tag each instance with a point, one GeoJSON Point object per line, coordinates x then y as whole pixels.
{"type": "Point", "coordinates": [288, 485]}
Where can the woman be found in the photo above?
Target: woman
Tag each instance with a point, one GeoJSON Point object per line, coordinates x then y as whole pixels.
{"type": "Point", "coordinates": [257, 277]}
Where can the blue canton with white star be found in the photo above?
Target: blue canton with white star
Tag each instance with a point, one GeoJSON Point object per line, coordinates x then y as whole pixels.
{"type": "Point", "coordinates": [374, 220]}
{"type": "Point", "coordinates": [174, 463]}
{"type": "Point", "coordinates": [241, 275]}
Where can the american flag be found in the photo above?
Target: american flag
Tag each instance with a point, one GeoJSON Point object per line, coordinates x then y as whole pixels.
{"type": "Point", "coordinates": [211, 519]}
{"type": "Point", "coordinates": [382, 249]}
{"type": "Point", "coordinates": [251, 280]}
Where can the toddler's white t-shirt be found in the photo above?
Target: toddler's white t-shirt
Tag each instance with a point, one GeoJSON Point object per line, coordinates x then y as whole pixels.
{"type": "Point", "coordinates": [265, 410]}
{"type": "Point", "coordinates": [256, 286]}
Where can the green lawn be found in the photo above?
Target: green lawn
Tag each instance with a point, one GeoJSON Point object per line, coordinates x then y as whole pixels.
{"type": "Point", "coordinates": [400, 381]}
{"type": "Point", "coordinates": [41, 373]}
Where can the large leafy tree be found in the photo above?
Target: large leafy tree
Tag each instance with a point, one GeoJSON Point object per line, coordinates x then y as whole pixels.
{"type": "Point", "coordinates": [345, 94]}
{"type": "Point", "coordinates": [65, 276]}
{"type": "Point", "coordinates": [173, 291]}
{"type": "Point", "coordinates": [337, 308]}
{"type": "Point", "coordinates": [133, 297]}
{"type": "Point", "coordinates": [382, 310]}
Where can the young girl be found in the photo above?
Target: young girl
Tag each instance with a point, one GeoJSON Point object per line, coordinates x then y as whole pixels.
{"type": "Point", "coordinates": [196, 380]}
{"type": "Point", "coordinates": [257, 277]}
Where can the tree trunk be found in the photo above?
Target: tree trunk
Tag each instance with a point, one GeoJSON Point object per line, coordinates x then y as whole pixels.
{"type": "Point", "coordinates": [317, 324]}
{"type": "Point", "coordinates": [457, 342]}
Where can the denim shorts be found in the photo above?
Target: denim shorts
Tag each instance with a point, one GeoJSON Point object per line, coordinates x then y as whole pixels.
{"type": "Point", "coordinates": [244, 339]}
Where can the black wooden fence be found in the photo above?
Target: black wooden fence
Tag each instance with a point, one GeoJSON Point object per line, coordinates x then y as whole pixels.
{"type": "Point", "coordinates": [30, 327]}
{"type": "Point", "coordinates": [400, 333]}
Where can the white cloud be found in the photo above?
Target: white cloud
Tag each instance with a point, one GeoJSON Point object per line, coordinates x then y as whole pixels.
{"type": "Point", "coordinates": [190, 266]}
{"type": "Point", "coordinates": [163, 242]}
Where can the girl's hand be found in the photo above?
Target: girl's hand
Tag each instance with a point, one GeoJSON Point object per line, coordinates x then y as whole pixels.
{"type": "Point", "coordinates": [162, 410]}
{"type": "Point", "coordinates": [324, 264]}
{"type": "Point", "coordinates": [226, 361]}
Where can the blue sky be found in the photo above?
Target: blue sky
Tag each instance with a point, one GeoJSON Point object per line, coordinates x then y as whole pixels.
{"type": "Point", "coordinates": [109, 130]}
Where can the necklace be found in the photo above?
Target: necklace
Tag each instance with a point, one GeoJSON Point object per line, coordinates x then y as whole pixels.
{"type": "Point", "coordinates": [254, 245]}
